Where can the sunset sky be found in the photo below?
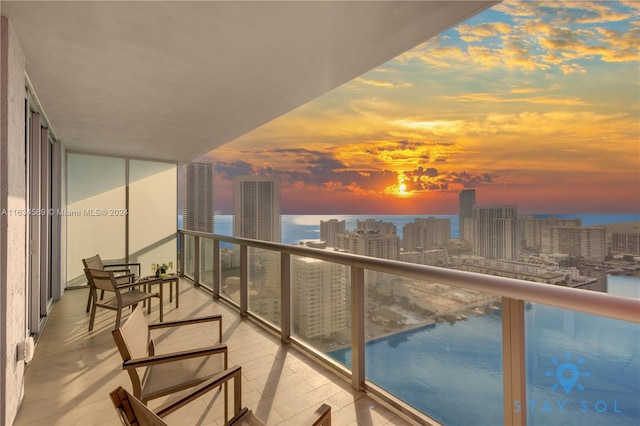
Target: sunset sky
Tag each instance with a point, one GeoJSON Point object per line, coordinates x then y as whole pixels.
{"type": "Point", "coordinates": [530, 103]}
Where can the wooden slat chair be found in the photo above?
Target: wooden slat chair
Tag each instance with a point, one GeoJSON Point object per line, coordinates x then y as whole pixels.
{"type": "Point", "coordinates": [133, 412]}
{"type": "Point", "coordinates": [122, 272]}
{"type": "Point", "coordinates": [154, 375]}
{"type": "Point", "coordinates": [105, 280]}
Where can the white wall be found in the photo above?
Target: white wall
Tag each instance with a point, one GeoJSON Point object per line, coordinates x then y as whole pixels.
{"type": "Point", "coordinates": [13, 285]}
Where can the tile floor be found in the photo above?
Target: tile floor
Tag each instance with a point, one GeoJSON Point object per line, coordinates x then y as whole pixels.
{"type": "Point", "coordinates": [73, 370]}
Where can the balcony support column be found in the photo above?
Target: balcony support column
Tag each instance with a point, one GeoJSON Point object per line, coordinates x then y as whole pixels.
{"type": "Point", "coordinates": [514, 362]}
{"type": "Point", "coordinates": [216, 268]}
{"type": "Point", "coordinates": [244, 279]}
{"type": "Point", "coordinates": [196, 260]}
{"type": "Point", "coordinates": [357, 328]}
{"type": "Point", "coordinates": [285, 297]}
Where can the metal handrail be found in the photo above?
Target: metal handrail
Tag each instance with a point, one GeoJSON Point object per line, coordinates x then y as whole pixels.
{"type": "Point", "coordinates": [591, 302]}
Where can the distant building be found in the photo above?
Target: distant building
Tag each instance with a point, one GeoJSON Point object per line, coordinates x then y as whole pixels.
{"type": "Point", "coordinates": [435, 257]}
{"type": "Point", "coordinates": [256, 208]}
{"type": "Point", "coordinates": [495, 232]}
{"type": "Point", "coordinates": [319, 298]}
{"type": "Point", "coordinates": [197, 197]}
{"type": "Point", "coordinates": [426, 233]}
{"type": "Point", "coordinates": [329, 230]}
{"type": "Point", "coordinates": [532, 229]}
{"type": "Point", "coordinates": [588, 243]}
{"type": "Point", "coordinates": [379, 226]}
{"type": "Point", "coordinates": [370, 243]}
{"type": "Point", "coordinates": [467, 199]}
{"type": "Point", "coordinates": [626, 242]}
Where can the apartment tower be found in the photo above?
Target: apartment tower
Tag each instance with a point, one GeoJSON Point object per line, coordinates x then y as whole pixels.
{"type": "Point", "coordinates": [495, 232]}
{"type": "Point", "coordinates": [256, 207]}
{"type": "Point", "coordinates": [329, 230]}
{"type": "Point", "coordinates": [467, 200]}
{"type": "Point", "coordinates": [197, 197]}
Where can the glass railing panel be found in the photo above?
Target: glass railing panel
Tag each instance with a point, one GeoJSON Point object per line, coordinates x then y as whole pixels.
{"type": "Point", "coordinates": [230, 271]}
{"type": "Point", "coordinates": [189, 253]}
{"type": "Point", "coordinates": [581, 368]}
{"type": "Point", "coordinates": [206, 262]}
{"type": "Point", "coordinates": [321, 305]}
{"type": "Point", "coordinates": [436, 347]}
{"type": "Point", "coordinates": [264, 284]}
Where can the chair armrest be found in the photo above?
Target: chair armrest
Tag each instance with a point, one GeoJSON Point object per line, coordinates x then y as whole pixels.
{"type": "Point", "coordinates": [174, 356]}
{"type": "Point", "coordinates": [199, 390]}
{"type": "Point", "coordinates": [323, 416]}
{"type": "Point", "coordinates": [129, 277]}
{"type": "Point", "coordinates": [117, 270]}
{"type": "Point", "coordinates": [123, 264]}
{"type": "Point", "coordinates": [198, 320]}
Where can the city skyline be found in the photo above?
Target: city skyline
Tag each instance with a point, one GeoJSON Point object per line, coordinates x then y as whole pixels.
{"type": "Point", "coordinates": [535, 104]}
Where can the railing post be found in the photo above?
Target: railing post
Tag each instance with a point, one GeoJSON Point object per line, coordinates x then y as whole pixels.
{"type": "Point", "coordinates": [357, 328]}
{"type": "Point", "coordinates": [181, 254]}
{"type": "Point", "coordinates": [244, 279]}
{"type": "Point", "coordinates": [196, 259]}
{"type": "Point", "coordinates": [216, 268]}
{"type": "Point", "coordinates": [514, 366]}
{"type": "Point", "coordinates": [285, 296]}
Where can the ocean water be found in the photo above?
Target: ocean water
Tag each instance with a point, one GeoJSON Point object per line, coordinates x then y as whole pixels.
{"type": "Point", "coordinates": [581, 369]}
{"type": "Point", "coordinates": [296, 228]}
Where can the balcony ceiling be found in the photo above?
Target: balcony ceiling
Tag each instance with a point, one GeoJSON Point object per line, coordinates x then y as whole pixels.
{"type": "Point", "coordinates": [174, 80]}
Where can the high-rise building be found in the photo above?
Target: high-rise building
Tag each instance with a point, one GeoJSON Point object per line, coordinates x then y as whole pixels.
{"type": "Point", "coordinates": [319, 300]}
{"type": "Point", "coordinates": [329, 230]}
{"type": "Point", "coordinates": [532, 229]}
{"type": "Point", "coordinates": [426, 233]}
{"type": "Point", "coordinates": [379, 226]}
{"type": "Point", "coordinates": [370, 243]}
{"type": "Point", "coordinates": [197, 197]}
{"type": "Point", "coordinates": [467, 199]}
{"type": "Point", "coordinates": [588, 243]}
{"type": "Point", "coordinates": [626, 242]}
{"type": "Point", "coordinates": [256, 207]}
{"type": "Point", "coordinates": [495, 232]}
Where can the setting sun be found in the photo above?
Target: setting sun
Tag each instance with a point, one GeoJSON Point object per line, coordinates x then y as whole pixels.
{"type": "Point", "coordinates": [402, 189]}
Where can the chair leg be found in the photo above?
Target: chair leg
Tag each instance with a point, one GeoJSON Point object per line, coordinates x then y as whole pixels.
{"type": "Point", "coordinates": [89, 300]}
{"type": "Point", "coordinates": [93, 316]}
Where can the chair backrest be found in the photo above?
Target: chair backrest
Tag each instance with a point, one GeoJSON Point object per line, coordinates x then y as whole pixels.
{"type": "Point", "coordinates": [93, 262]}
{"type": "Point", "coordinates": [100, 279]}
{"type": "Point", "coordinates": [134, 341]}
{"type": "Point", "coordinates": [132, 411]}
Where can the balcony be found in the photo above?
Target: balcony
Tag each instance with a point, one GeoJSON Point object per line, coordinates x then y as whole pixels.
{"type": "Point", "coordinates": [69, 380]}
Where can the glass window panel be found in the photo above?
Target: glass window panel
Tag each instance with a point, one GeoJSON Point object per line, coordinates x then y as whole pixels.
{"type": "Point", "coordinates": [320, 305]}
{"type": "Point", "coordinates": [264, 284]}
{"type": "Point", "coordinates": [436, 347]}
{"type": "Point", "coordinates": [152, 213]}
{"type": "Point", "coordinates": [583, 369]}
{"type": "Point", "coordinates": [206, 262]}
{"type": "Point", "coordinates": [189, 253]}
{"type": "Point", "coordinates": [96, 187]}
{"type": "Point", "coordinates": [230, 271]}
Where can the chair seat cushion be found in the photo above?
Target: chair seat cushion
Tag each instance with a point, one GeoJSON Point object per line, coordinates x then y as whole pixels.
{"type": "Point", "coordinates": [161, 378]}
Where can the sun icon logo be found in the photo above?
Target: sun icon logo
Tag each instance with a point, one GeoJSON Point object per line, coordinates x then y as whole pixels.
{"type": "Point", "coordinates": [567, 374]}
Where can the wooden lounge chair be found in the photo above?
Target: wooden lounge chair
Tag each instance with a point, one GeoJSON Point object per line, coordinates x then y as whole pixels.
{"type": "Point", "coordinates": [133, 412]}
{"type": "Point", "coordinates": [122, 272]}
{"type": "Point", "coordinates": [156, 374]}
{"type": "Point", "coordinates": [123, 297]}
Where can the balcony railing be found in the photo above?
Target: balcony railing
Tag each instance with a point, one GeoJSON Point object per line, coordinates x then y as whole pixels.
{"type": "Point", "coordinates": [518, 351]}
